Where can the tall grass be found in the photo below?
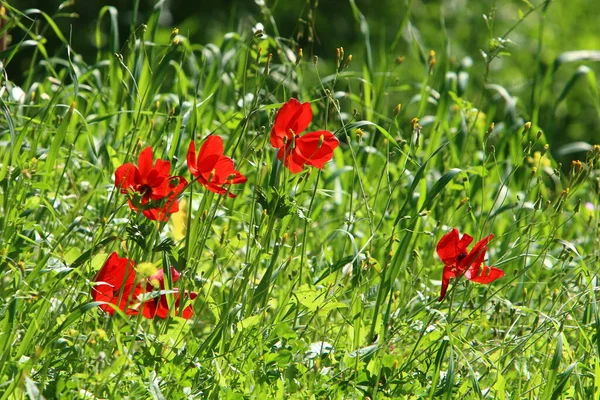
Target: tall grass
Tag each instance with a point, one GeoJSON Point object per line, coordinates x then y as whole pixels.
{"type": "Point", "coordinates": [318, 285]}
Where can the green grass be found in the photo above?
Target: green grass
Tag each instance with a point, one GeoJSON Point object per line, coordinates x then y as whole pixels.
{"type": "Point", "coordinates": [317, 285]}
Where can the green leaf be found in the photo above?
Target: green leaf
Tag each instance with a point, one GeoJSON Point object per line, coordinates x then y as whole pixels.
{"type": "Point", "coordinates": [439, 186]}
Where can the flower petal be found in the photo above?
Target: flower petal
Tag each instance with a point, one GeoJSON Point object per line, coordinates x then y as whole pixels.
{"type": "Point", "coordinates": [484, 275]}
{"type": "Point", "coordinates": [145, 162]}
{"type": "Point", "coordinates": [476, 255]}
{"type": "Point", "coordinates": [115, 284]}
{"type": "Point", "coordinates": [126, 177]}
{"type": "Point", "coordinates": [291, 119]}
{"type": "Point", "coordinates": [316, 148]}
{"type": "Point", "coordinates": [446, 276]}
{"type": "Point", "coordinates": [294, 163]}
{"type": "Point", "coordinates": [451, 246]}
{"type": "Point", "coordinates": [191, 159]}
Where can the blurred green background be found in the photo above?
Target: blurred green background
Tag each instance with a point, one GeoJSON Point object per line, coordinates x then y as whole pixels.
{"type": "Point", "coordinates": [457, 30]}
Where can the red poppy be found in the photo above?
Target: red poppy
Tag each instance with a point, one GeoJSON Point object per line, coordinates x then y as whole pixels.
{"type": "Point", "coordinates": [211, 167]}
{"type": "Point", "coordinates": [158, 306]}
{"type": "Point", "coordinates": [313, 148]}
{"type": "Point", "coordinates": [115, 284]}
{"type": "Point", "coordinates": [458, 261]}
{"type": "Point", "coordinates": [156, 190]}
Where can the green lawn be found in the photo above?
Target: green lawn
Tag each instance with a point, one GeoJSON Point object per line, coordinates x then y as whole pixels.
{"type": "Point", "coordinates": [249, 271]}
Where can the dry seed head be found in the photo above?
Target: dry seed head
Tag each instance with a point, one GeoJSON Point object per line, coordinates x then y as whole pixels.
{"type": "Point", "coordinates": [299, 58]}
{"type": "Point", "coordinates": [526, 127]}
{"type": "Point", "coordinates": [539, 135]}
{"type": "Point", "coordinates": [315, 60]}
{"type": "Point", "coordinates": [400, 60]}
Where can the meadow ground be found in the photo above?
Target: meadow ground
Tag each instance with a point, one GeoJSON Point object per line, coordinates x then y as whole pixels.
{"type": "Point", "coordinates": [306, 256]}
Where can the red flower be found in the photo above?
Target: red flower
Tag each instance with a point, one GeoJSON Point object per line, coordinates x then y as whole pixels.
{"type": "Point", "coordinates": [458, 261]}
{"type": "Point", "coordinates": [115, 284]}
{"type": "Point", "coordinates": [211, 167]}
{"type": "Point", "coordinates": [157, 191]}
{"type": "Point", "coordinates": [313, 148]}
{"type": "Point", "coordinates": [158, 306]}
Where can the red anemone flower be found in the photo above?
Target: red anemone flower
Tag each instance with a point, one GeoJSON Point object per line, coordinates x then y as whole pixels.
{"type": "Point", "coordinates": [157, 191]}
{"type": "Point", "coordinates": [158, 306]}
{"type": "Point", "coordinates": [115, 284]}
{"type": "Point", "coordinates": [313, 148]}
{"type": "Point", "coordinates": [458, 261]}
{"type": "Point", "coordinates": [211, 167]}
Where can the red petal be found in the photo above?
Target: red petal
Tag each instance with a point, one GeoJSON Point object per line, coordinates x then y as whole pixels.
{"type": "Point", "coordinates": [316, 148]}
{"type": "Point", "coordinates": [446, 276]}
{"type": "Point", "coordinates": [191, 159]}
{"type": "Point", "coordinates": [451, 246]}
{"type": "Point", "coordinates": [291, 119]}
{"type": "Point", "coordinates": [162, 168]}
{"type": "Point", "coordinates": [160, 307]}
{"type": "Point", "coordinates": [155, 214]}
{"type": "Point", "coordinates": [126, 177]}
{"type": "Point", "coordinates": [213, 145]}
{"type": "Point", "coordinates": [115, 280]}
{"type": "Point", "coordinates": [476, 255]}
{"type": "Point", "coordinates": [292, 162]}
{"type": "Point", "coordinates": [160, 277]}
{"type": "Point", "coordinates": [145, 162]}
{"type": "Point", "coordinates": [484, 275]}
{"type": "Point", "coordinates": [188, 312]}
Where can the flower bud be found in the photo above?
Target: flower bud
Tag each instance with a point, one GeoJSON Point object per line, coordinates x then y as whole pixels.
{"type": "Point", "coordinates": [258, 54]}
{"type": "Point", "coordinates": [268, 65]}
{"type": "Point", "coordinates": [414, 123]}
{"type": "Point", "coordinates": [432, 60]}
{"type": "Point", "coordinates": [347, 62]}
